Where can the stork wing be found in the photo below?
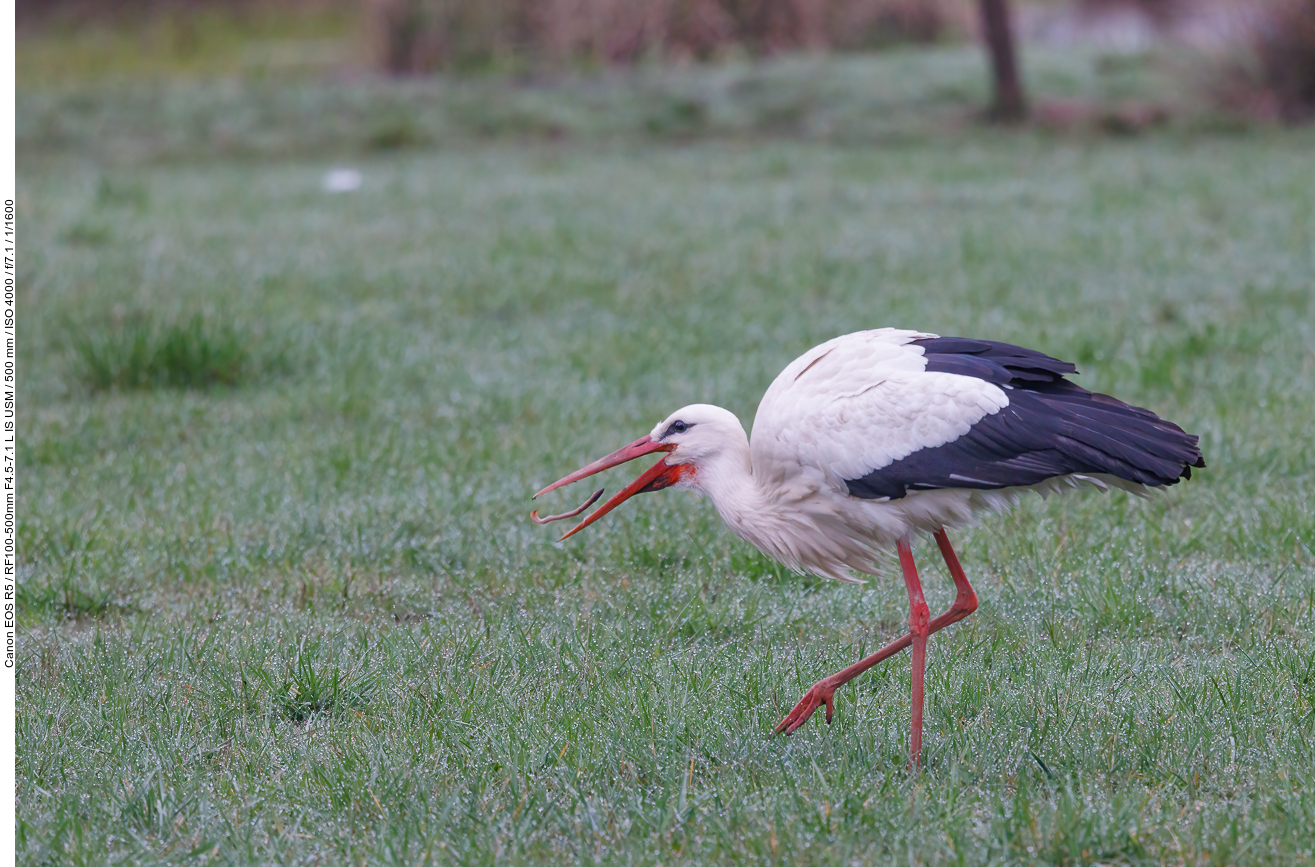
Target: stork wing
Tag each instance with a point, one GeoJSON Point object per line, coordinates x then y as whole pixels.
{"type": "Point", "coordinates": [882, 413]}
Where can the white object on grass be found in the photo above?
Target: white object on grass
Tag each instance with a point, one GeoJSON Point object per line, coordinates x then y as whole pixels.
{"type": "Point", "coordinates": [341, 180]}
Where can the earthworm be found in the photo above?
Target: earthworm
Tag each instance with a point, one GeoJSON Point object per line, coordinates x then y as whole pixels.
{"type": "Point", "coordinates": [534, 516]}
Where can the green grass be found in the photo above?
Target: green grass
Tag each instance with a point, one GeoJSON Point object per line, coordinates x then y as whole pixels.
{"type": "Point", "coordinates": [898, 97]}
{"type": "Point", "coordinates": [305, 619]}
{"type": "Point", "coordinates": [141, 352]}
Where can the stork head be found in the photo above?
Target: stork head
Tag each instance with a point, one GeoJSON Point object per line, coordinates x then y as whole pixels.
{"type": "Point", "coordinates": [694, 436]}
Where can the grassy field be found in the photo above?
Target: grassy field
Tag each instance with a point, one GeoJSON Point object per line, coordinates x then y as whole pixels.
{"type": "Point", "coordinates": [281, 600]}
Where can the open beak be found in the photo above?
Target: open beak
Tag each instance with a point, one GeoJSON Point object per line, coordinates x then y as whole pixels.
{"type": "Point", "coordinates": [660, 475]}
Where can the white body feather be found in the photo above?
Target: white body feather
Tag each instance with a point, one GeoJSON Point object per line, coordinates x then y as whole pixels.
{"type": "Point", "coordinates": [845, 408]}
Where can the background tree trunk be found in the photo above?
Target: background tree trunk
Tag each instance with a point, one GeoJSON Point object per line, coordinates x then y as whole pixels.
{"type": "Point", "coordinates": [997, 28]}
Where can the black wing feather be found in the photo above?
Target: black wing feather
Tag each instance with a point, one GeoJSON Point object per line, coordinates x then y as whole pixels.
{"type": "Point", "coordinates": [1050, 428]}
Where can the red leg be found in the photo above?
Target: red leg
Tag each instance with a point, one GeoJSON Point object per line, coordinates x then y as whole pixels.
{"type": "Point", "coordinates": [965, 600]}
{"type": "Point", "coordinates": [919, 628]}
{"type": "Point", "coordinates": [823, 692]}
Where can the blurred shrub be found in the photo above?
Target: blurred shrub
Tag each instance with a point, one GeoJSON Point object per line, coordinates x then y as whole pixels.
{"type": "Point", "coordinates": [70, 41]}
{"type": "Point", "coordinates": [1273, 77]}
{"type": "Point", "coordinates": [415, 36]}
{"type": "Point", "coordinates": [1284, 46]}
{"type": "Point", "coordinates": [1159, 11]}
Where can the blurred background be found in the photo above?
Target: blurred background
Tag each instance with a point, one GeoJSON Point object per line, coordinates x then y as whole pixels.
{"type": "Point", "coordinates": [1156, 61]}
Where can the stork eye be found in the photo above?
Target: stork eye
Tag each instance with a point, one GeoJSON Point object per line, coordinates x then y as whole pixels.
{"type": "Point", "coordinates": [677, 427]}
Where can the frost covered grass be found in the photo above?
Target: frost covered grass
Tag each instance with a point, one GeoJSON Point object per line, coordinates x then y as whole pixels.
{"type": "Point", "coordinates": [305, 619]}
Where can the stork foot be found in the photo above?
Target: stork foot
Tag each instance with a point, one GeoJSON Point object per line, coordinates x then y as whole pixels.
{"type": "Point", "coordinates": [821, 693]}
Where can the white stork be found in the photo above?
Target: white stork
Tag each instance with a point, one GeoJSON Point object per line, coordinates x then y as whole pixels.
{"type": "Point", "coordinates": [872, 438]}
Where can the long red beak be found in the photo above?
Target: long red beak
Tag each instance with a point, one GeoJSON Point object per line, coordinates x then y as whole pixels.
{"type": "Point", "coordinates": [659, 476]}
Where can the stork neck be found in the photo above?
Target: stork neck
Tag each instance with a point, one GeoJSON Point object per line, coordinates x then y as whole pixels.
{"type": "Point", "coordinates": [728, 480]}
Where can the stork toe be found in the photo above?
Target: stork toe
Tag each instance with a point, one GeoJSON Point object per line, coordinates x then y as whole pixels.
{"type": "Point", "coordinates": [819, 694]}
